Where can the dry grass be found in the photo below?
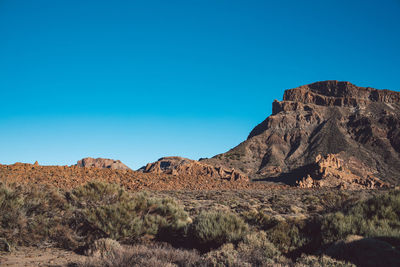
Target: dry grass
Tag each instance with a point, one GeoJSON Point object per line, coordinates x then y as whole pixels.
{"type": "Point", "coordinates": [147, 256]}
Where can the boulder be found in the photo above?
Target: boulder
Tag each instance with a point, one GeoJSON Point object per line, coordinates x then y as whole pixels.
{"type": "Point", "coordinates": [102, 163]}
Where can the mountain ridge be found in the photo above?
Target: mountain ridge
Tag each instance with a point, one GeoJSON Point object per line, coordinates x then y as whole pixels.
{"type": "Point", "coordinates": [360, 125]}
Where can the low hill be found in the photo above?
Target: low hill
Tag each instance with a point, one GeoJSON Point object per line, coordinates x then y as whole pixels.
{"type": "Point", "coordinates": [67, 177]}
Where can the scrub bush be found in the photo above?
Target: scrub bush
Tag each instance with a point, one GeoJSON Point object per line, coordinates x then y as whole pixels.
{"type": "Point", "coordinates": [212, 229]}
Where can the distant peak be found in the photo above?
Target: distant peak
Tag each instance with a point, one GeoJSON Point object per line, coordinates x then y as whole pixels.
{"type": "Point", "coordinates": [102, 163]}
{"type": "Point", "coordinates": [338, 93]}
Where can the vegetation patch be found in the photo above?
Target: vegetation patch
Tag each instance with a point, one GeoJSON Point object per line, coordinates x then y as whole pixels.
{"type": "Point", "coordinates": [378, 216]}
{"type": "Point", "coordinates": [108, 211]}
{"type": "Point", "coordinates": [212, 229]}
{"type": "Point", "coordinates": [35, 216]}
{"type": "Point", "coordinates": [99, 217]}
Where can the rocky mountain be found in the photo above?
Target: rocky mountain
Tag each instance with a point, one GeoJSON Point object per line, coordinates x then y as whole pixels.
{"type": "Point", "coordinates": [188, 167]}
{"type": "Point", "coordinates": [102, 163]}
{"type": "Point", "coordinates": [360, 126]}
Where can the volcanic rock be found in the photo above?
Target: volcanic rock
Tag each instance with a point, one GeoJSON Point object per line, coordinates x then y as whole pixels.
{"type": "Point", "coordinates": [359, 125]}
{"type": "Point", "coordinates": [184, 166]}
{"type": "Point", "coordinates": [67, 177]}
{"type": "Point", "coordinates": [330, 171]}
{"type": "Point", "coordinates": [102, 163]}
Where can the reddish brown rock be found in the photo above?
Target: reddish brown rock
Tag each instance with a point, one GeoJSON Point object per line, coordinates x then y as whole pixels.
{"type": "Point", "coordinates": [184, 166]}
{"type": "Point", "coordinates": [102, 163]}
{"type": "Point", "coordinates": [331, 171]}
{"type": "Point", "coordinates": [360, 124]}
{"type": "Point", "coordinates": [67, 177]}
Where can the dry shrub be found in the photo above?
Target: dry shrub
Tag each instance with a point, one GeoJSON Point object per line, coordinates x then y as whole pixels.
{"type": "Point", "coordinates": [108, 211]}
{"type": "Point", "coordinates": [288, 235]}
{"type": "Point", "coordinates": [291, 236]}
{"type": "Point", "coordinates": [378, 216]}
{"type": "Point", "coordinates": [317, 261]}
{"type": "Point", "coordinates": [31, 215]}
{"type": "Point", "coordinates": [226, 255]}
{"type": "Point", "coordinates": [43, 216]}
{"type": "Point", "coordinates": [254, 250]}
{"type": "Point", "coordinates": [147, 256]}
{"type": "Point", "coordinates": [103, 248]}
{"type": "Point", "coordinates": [334, 200]}
{"type": "Point", "coordinates": [94, 194]}
{"type": "Point", "coordinates": [211, 229]}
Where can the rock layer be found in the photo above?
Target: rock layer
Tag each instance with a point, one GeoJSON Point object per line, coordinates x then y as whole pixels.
{"type": "Point", "coordinates": [360, 125]}
{"type": "Point", "coordinates": [102, 163]}
{"type": "Point", "coordinates": [184, 166]}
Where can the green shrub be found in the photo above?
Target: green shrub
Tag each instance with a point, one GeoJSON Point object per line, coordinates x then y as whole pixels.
{"type": "Point", "coordinates": [259, 219]}
{"type": "Point", "coordinates": [94, 194]}
{"type": "Point", "coordinates": [288, 235]}
{"type": "Point", "coordinates": [378, 216]}
{"type": "Point", "coordinates": [108, 211]}
{"type": "Point", "coordinates": [212, 229]}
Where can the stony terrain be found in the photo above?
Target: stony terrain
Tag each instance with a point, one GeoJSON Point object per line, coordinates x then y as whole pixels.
{"type": "Point", "coordinates": [31, 256]}
{"type": "Point", "coordinates": [360, 125]}
{"type": "Point", "coordinates": [71, 176]}
{"type": "Point", "coordinates": [188, 167]}
{"type": "Point", "coordinates": [102, 163]}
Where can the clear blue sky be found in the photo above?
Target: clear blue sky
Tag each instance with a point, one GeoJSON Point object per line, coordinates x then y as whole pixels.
{"type": "Point", "coordinates": [138, 80]}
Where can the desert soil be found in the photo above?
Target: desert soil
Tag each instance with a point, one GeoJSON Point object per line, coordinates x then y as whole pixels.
{"type": "Point", "coordinates": [30, 256]}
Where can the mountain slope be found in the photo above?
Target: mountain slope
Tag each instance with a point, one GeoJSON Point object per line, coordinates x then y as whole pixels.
{"type": "Point", "coordinates": [361, 125]}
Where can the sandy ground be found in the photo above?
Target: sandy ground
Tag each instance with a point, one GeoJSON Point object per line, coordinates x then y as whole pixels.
{"type": "Point", "coordinates": [28, 256]}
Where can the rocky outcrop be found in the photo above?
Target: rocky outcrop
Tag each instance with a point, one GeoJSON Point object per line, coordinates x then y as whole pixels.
{"type": "Point", "coordinates": [330, 171]}
{"type": "Point", "coordinates": [102, 163]}
{"type": "Point", "coordinates": [360, 125]}
{"type": "Point", "coordinates": [184, 166]}
{"type": "Point", "coordinates": [334, 93]}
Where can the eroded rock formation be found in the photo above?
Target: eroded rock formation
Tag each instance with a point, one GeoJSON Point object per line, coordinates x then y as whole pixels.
{"type": "Point", "coordinates": [102, 163]}
{"type": "Point", "coordinates": [184, 166]}
{"type": "Point", "coordinates": [330, 171]}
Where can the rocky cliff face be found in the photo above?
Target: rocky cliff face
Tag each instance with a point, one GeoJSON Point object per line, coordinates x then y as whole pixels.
{"type": "Point", "coordinates": [102, 163]}
{"type": "Point", "coordinates": [188, 167]}
{"type": "Point", "coordinates": [360, 125]}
